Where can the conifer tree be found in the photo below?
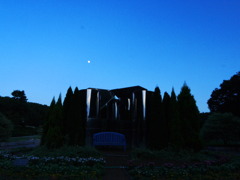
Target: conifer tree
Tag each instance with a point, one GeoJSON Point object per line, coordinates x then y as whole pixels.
{"type": "Point", "coordinates": [47, 123]}
{"type": "Point", "coordinates": [53, 131]}
{"type": "Point", "coordinates": [154, 124]}
{"type": "Point", "coordinates": [77, 118]}
{"type": "Point", "coordinates": [166, 119]}
{"type": "Point", "coordinates": [189, 117]}
{"type": "Point", "coordinates": [67, 114]}
{"type": "Point", "coordinates": [74, 122]}
{"type": "Point", "coordinates": [176, 138]}
{"type": "Point", "coordinates": [71, 114]}
{"type": "Point", "coordinates": [82, 114]}
{"type": "Point", "coordinates": [76, 126]}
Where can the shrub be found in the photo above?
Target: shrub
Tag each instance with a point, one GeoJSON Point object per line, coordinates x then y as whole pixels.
{"type": "Point", "coordinates": [6, 128]}
{"type": "Point", "coordinates": [221, 127]}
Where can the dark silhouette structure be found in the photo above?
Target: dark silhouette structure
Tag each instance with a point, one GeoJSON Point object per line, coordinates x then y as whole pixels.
{"type": "Point", "coordinates": [227, 97]}
{"type": "Point", "coordinates": [124, 110]}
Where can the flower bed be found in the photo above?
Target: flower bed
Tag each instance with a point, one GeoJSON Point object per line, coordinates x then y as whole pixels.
{"type": "Point", "coordinates": [45, 167]}
{"type": "Point", "coordinates": [221, 167]}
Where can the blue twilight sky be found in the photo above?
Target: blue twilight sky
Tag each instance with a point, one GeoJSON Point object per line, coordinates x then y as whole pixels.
{"type": "Point", "coordinates": [45, 45]}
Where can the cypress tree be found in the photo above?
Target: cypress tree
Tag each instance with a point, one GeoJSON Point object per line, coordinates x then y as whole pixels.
{"type": "Point", "coordinates": [82, 114]}
{"type": "Point", "coordinates": [47, 123]}
{"type": "Point", "coordinates": [154, 134]}
{"type": "Point", "coordinates": [77, 118]}
{"type": "Point", "coordinates": [53, 136]}
{"type": "Point", "coordinates": [76, 123]}
{"type": "Point", "coordinates": [176, 138]}
{"type": "Point", "coordinates": [166, 119]}
{"type": "Point", "coordinates": [67, 114]}
{"type": "Point", "coordinates": [60, 119]}
{"type": "Point", "coordinates": [71, 131]}
{"type": "Point", "coordinates": [189, 117]}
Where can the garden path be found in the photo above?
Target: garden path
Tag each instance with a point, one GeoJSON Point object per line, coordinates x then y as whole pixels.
{"type": "Point", "coordinates": [26, 143]}
{"type": "Point", "coordinates": [115, 163]}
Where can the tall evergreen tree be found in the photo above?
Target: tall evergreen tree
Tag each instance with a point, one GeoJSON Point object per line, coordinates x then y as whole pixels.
{"type": "Point", "coordinates": [76, 127]}
{"type": "Point", "coordinates": [82, 106]}
{"type": "Point", "coordinates": [74, 122]}
{"type": "Point", "coordinates": [154, 124]}
{"type": "Point", "coordinates": [77, 118]}
{"type": "Point", "coordinates": [59, 114]}
{"type": "Point", "coordinates": [53, 132]}
{"type": "Point", "coordinates": [176, 138]}
{"type": "Point", "coordinates": [67, 114]}
{"type": "Point", "coordinates": [47, 124]}
{"type": "Point", "coordinates": [166, 119]}
{"type": "Point", "coordinates": [189, 117]}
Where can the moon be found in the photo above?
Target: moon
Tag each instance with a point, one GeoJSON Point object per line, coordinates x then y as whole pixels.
{"type": "Point", "coordinates": [88, 61]}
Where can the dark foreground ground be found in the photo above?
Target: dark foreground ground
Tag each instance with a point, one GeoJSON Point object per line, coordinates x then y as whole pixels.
{"type": "Point", "coordinates": [116, 161]}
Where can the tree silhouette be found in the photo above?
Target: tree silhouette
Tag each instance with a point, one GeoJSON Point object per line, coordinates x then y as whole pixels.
{"type": "Point", "coordinates": [166, 110]}
{"type": "Point", "coordinates": [74, 121]}
{"type": "Point", "coordinates": [176, 138]}
{"type": "Point", "coordinates": [53, 129]}
{"type": "Point", "coordinates": [19, 95]}
{"type": "Point", "coordinates": [227, 97]}
{"type": "Point", "coordinates": [189, 117]}
{"type": "Point", "coordinates": [67, 113]}
{"type": "Point", "coordinates": [154, 124]}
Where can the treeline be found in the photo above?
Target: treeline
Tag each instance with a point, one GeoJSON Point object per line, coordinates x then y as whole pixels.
{"type": "Point", "coordinates": [222, 127]}
{"type": "Point", "coordinates": [26, 117]}
{"type": "Point", "coordinates": [66, 122]}
{"type": "Point", "coordinates": [174, 121]}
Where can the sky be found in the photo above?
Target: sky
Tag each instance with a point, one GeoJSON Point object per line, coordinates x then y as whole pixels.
{"type": "Point", "coordinates": [45, 45]}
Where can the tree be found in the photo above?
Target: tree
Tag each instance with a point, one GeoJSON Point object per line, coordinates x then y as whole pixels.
{"type": "Point", "coordinates": [227, 97]}
{"type": "Point", "coordinates": [221, 127]}
{"type": "Point", "coordinates": [154, 124]}
{"type": "Point", "coordinates": [175, 126]}
{"type": "Point", "coordinates": [24, 116]}
{"type": "Point", "coordinates": [166, 119]}
{"type": "Point", "coordinates": [74, 122]}
{"type": "Point", "coordinates": [67, 113]}
{"type": "Point", "coordinates": [189, 117]}
{"type": "Point", "coordinates": [48, 123]}
{"type": "Point", "coordinates": [19, 95]}
{"type": "Point", "coordinates": [53, 129]}
{"type": "Point", "coordinates": [78, 128]}
{"type": "Point", "coordinates": [6, 128]}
